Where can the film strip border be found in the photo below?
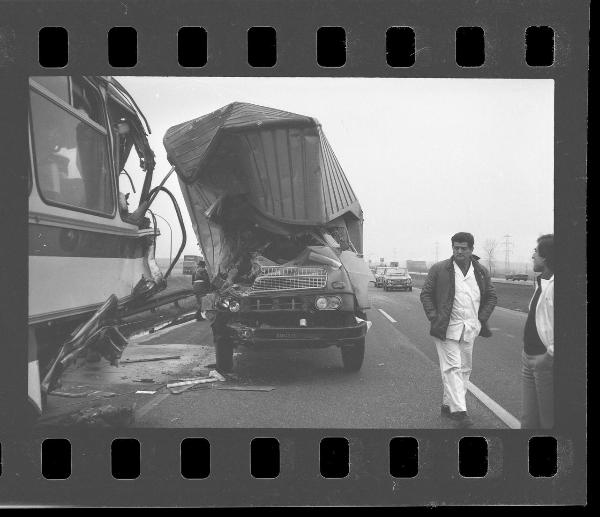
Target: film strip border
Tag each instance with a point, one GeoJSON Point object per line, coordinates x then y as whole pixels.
{"type": "Point", "coordinates": [284, 38]}
{"type": "Point", "coordinates": [401, 49]}
{"type": "Point", "coordinates": [309, 467]}
{"type": "Point", "coordinates": [370, 480]}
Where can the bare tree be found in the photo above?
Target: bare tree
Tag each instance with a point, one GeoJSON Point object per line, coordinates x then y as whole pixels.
{"type": "Point", "coordinates": [489, 247]}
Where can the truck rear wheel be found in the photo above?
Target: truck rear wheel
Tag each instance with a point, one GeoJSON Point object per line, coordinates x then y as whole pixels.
{"type": "Point", "coordinates": [353, 356]}
{"type": "Point", "coordinates": [224, 355]}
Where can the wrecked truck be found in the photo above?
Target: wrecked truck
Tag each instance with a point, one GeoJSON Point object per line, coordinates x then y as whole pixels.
{"type": "Point", "coordinates": [280, 228]}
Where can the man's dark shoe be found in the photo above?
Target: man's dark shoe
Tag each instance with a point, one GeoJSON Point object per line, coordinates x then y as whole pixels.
{"type": "Point", "coordinates": [463, 420]}
{"type": "Point", "coordinates": [445, 410]}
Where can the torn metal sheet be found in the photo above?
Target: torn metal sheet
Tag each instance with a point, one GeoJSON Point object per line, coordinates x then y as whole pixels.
{"type": "Point", "coordinates": [269, 168]}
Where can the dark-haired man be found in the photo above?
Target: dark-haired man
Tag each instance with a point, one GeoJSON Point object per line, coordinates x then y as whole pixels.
{"type": "Point", "coordinates": [458, 298]}
{"type": "Point", "coordinates": [538, 342]}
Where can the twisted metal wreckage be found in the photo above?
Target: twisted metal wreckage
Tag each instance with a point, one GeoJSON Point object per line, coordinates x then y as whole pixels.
{"type": "Point", "coordinates": [278, 223]}
{"type": "Point", "coordinates": [280, 228]}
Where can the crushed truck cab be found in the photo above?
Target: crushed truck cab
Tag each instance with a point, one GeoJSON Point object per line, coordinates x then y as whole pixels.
{"type": "Point", "coordinates": [280, 228]}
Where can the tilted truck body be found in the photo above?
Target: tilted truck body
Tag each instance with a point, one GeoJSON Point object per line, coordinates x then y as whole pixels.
{"type": "Point", "coordinates": [280, 228]}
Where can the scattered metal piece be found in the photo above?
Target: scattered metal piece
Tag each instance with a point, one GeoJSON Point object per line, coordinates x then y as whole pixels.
{"type": "Point", "coordinates": [146, 380]}
{"type": "Point", "coordinates": [216, 375]}
{"type": "Point", "coordinates": [147, 359]}
{"type": "Point", "coordinates": [381, 364]}
{"type": "Point", "coordinates": [146, 392]}
{"type": "Point", "coordinates": [191, 382]}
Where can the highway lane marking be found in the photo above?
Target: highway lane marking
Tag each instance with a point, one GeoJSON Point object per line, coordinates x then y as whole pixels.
{"type": "Point", "coordinates": [387, 315]}
{"type": "Point", "coordinates": [512, 311]}
{"type": "Point", "coordinates": [494, 407]}
{"type": "Point", "coordinates": [508, 419]}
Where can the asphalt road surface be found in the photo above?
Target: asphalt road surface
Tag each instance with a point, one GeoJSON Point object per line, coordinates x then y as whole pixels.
{"type": "Point", "coordinates": [399, 385]}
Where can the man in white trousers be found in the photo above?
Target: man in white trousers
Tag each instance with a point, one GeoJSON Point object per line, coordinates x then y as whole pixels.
{"type": "Point", "coordinates": [458, 298]}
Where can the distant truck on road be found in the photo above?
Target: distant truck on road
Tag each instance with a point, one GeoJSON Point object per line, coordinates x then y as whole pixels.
{"type": "Point", "coordinates": [189, 264]}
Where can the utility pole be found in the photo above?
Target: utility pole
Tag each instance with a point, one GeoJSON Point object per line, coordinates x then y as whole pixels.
{"type": "Point", "coordinates": [507, 251]}
{"type": "Point", "coordinates": [437, 249]}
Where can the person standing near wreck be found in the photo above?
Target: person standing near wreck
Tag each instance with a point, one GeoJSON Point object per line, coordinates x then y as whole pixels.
{"type": "Point", "coordinates": [200, 283]}
{"type": "Point", "coordinates": [538, 342]}
{"type": "Point", "coordinates": [458, 298]}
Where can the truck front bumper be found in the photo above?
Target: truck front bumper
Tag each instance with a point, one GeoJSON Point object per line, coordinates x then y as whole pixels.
{"type": "Point", "coordinates": [296, 337]}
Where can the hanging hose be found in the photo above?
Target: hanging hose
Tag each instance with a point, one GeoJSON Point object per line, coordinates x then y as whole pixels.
{"type": "Point", "coordinates": [152, 195]}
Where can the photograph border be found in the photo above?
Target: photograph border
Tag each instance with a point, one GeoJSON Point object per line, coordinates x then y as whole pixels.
{"type": "Point", "coordinates": [299, 484]}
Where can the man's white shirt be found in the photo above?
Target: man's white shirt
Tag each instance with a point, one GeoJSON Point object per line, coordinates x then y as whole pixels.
{"type": "Point", "coordinates": [463, 319]}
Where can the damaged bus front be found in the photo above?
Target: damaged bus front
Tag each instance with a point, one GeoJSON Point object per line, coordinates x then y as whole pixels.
{"type": "Point", "coordinates": [280, 228]}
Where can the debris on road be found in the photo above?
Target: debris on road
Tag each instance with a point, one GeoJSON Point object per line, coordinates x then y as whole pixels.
{"type": "Point", "coordinates": [247, 388]}
{"type": "Point", "coordinates": [191, 382]}
{"type": "Point", "coordinates": [148, 359]}
{"type": "Point", "coordinates": [102, 416]}
{"type": "Point", "coordinates": [216, 375]}
{"type": "Point", "coordinates": [381, 364]}
{"type": "Point", "coordinates": [177, 391]}
{"type": "Point", "coordinates": [145, 392]}
{"type": "Point", "coordinates": [145, 381]}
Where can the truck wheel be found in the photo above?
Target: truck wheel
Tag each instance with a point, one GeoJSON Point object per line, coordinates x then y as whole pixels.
{"type": "Point", "coordinates": [224, 355]}
{"type": "Point", "coordinates": [353, 356]}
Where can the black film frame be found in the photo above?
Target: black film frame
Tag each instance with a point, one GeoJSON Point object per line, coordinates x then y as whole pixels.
{"type": "Point", "coordinates": [299, 483]}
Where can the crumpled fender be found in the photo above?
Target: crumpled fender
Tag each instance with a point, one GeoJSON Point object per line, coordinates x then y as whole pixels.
{"type": "Point", "coordinates": [360, 275]}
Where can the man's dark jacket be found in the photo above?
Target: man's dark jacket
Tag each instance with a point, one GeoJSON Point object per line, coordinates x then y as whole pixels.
{"type": "Point", "coordinates": [437, 296]}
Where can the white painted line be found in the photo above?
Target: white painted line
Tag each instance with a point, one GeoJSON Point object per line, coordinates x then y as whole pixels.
{"type": "Point", "coordinates": [494, 407]}
{"type": "Point", "coordinates": [512, 311]}
{"type": "Point", "coordinates": [146, 336]}
{"type": "Point", "coordinates": [387, 315]}
{"type": "Point", "coordinates": [153, 403]}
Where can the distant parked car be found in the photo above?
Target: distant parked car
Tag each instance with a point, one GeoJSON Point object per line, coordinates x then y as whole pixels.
{"type": "Point", "coordinates": [397, 278]}
{"type": "Point", "coordinates": [517, 276]}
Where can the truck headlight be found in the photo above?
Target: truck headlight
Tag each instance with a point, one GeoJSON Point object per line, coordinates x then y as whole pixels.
{"type": "Point", "coordinates": [234, 306]}
{"type": "Point", "coordinates": [321, 303]}
{"type": "Point", "coordinates": [334, 302]}
{"type": "Point", "coordinates": [330, 303]}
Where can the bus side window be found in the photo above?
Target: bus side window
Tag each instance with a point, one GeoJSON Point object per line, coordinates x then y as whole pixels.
{"type": "Point", "coordinates": [71, 155]}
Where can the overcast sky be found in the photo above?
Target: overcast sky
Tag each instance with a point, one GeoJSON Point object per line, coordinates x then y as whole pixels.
{"type": "Point", "coordinates": [426, 157]}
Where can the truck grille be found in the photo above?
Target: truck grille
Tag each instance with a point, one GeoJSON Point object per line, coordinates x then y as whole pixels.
{"type": "Point", "coordinates": [281, 278]}
{"type": "Point", "coordinates": [282, 303]}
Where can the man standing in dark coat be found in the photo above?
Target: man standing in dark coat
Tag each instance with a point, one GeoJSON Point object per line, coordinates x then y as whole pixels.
{"type": "Point", "coordinates": [458, 298]}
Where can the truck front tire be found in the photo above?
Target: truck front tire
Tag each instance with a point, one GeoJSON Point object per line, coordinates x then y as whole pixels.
{"type": "Point", "coordinates": [353, 356]}
{"type": "Point", "coordinates": [224, 355]}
